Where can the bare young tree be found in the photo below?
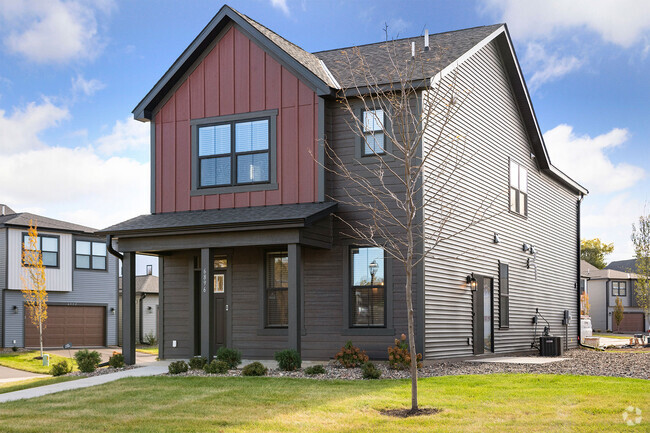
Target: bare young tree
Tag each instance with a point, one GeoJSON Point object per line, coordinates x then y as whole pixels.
{"type": "Point", "coordinates": [408, 190]}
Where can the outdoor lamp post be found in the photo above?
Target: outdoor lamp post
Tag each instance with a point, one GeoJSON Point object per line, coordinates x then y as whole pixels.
{"type": "Point", "coordinates": [373, 266]}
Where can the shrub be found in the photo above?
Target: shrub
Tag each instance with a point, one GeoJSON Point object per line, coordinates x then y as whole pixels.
{"type": "Point", "coordinates": [60, 368]}
{"type": "Point", "coordinates": [369, 371]}
{"type": "Point", "coordinates": [178, 367]}
{"type": "Point", "coordinates": [399, 356]}
{"type": "Point", "coordinates": [198, 362]}
{"type": "Point", "coordinates": [254, 369]}
{"type": "Point", "coordinates": [216, 367]}
{"type": "Point", "coordinates": [87, 361]}
{"type": "Point", "coordinates": [150, 339]}
{"type": "Point", "coordinates": [116, 361]}
{"type": "Point", "coordinates": [288, 360]}
{"type": "Point", "coordinates": [232, 357]}
{"type": "Point", "coordinates": [351, 356]}
{"type": "Point", "coordinates": [315, 369]}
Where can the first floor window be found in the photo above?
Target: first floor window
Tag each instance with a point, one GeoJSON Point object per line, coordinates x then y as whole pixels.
{"type": "Point", "coordinates": [49, 248]}
{"type": "Point", "coordinates": [368, 293]}
{"type": "Point", "coordinates": [619, 288]}
{"type": "Point", "coordinates": [277, 290]}
{"type": "Point", "coordinates": [518, 189]}
{"type": "Point", "coordinates": [90, 255]}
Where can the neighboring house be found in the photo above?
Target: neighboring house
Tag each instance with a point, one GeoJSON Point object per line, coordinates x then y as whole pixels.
{"type": "Point", "coordinates": [81, 281]}
{"type": "Point", "coordinates": [604, 286]}
{"type": "Point", "coordinates": [146, 306]}
{"type": "Point", "coordinates": [250, 256]}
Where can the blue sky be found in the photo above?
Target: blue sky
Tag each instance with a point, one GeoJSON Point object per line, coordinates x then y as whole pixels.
{"type": "Point", "coordinates": [72, 71]}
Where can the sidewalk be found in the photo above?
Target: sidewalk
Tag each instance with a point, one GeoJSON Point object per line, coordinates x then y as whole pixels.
{"type": "Point", "coordinates": [12, 375]}
{"type": "Point", "coordinates": [150, 369]}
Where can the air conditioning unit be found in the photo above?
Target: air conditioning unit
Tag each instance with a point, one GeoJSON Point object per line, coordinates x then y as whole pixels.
{"type": "Point", "coordinates": [551, 346]}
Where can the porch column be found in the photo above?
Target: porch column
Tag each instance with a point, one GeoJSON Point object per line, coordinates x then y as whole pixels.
{"type": "Point", "coordinates": [207, 304]}
{"type": "Point", "coordinates": [295, 266]}
{"type": "Point", "coordinates": [128, 308]}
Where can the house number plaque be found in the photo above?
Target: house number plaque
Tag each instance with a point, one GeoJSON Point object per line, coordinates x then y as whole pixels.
{"type": "Point", "coordinates": [205, 280]}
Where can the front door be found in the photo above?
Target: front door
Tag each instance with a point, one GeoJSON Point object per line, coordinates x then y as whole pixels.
{"type": "Point", "coordinates": [220, 305]}
{"type": "Point", "coordinates": [483, 324]}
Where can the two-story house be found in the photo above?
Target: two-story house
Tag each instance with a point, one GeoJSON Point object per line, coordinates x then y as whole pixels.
{"type": "Point", "coordinates": [241, 206]}
{"type": "Point", "coordinates": [81, 283]}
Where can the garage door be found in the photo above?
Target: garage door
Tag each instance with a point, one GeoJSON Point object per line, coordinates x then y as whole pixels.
{"type": "Point", "coordinates": [632, 322]}
{"type": "Point", "coordinates": [79, 325]}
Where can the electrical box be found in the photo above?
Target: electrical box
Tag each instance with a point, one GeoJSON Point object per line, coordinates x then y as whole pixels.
{"type": "Point", "coordinates": [567, 317]}
{"type": "Point", "coordinates": [551, 346]}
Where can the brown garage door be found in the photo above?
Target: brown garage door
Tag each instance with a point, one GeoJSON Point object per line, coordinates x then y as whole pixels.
{"type": "Point", "coordinates": [632, 322]}
{"type": "Point", "coordinates": [79, 325]}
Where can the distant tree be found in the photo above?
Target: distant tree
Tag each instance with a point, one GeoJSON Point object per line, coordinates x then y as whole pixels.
{"type": "Point", "coordinates": [594, 251]}
{"type": "Point", "coordinates": [641, 240]}
{"type": "Point", "coordinates": [618, 312]}
{"type": "Point", "coordinates": [585, 306]}
{"type": "Point", "coordinates": [33, 281]}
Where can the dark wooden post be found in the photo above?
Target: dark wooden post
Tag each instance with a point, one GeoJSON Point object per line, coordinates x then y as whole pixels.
{"type": "Point", "coordinates": [207, 304]}
{"type": "Point", "coordinates": [295, 266]}
{"type": "Point", "coordinates": [128, 308]}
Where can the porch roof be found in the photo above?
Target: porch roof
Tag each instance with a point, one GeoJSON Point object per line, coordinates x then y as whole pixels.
{"type": "Point", "coordinates": [293, 215]}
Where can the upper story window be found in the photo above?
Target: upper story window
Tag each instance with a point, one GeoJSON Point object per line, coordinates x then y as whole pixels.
{"type": "Point", "coordinates": [234, 153]}
{"type": "Point", "coordinates": [373, 131]}
{"type": "Point", "coordinates": [90, 255]}
{"type": "Point", "coordinates": [276, 292]}
{"type": "Point", "coordinates": [368, 292]}
{"type": "Point", "coordinates": [49, 247]}
{"type": "Point", "coordinates": [518, 189]}
{"type": "Point", "coordinates": [619, 288]}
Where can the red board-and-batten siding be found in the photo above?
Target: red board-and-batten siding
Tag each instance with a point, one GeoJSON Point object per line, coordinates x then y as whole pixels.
{"type": "Point", "coordinates": [238, 76]}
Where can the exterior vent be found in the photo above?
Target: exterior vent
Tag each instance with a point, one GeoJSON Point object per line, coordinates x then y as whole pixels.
{"type": "Point", "coordinates": [426, 40]}
{"type": "Point", "coordinates": [413, 49]}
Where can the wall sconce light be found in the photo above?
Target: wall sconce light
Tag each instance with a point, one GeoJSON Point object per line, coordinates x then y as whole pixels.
{"type": "Point", "coordinates": [533, 251]}
{"type": "Point", "coordinates": [496, 238]}
{"type": "Point", "coordinates": [15, 309]}
{"type": "Point", "coordinates": [113, 311]}
{"type": "Point", "coordinates": [471, 281]}
{"type": "Point", "coordinates": [525, 247]}
{"type": "Point", "coordinates": [149, 308]}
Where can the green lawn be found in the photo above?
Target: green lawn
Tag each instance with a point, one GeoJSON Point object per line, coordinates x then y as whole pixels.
{"type": "Point", "coordinates": [25, 361]}
{"type": "Point", "coordinates": [32, 383]}
{"type": "Point", "coordinates": [489, 403]}
{"type": "Point", "coordinates": [152, 350]}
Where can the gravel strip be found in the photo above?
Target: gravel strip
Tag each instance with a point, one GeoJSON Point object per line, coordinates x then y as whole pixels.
{"type": "Point", "coordinates": [580, 362]}
{"type": "Point", "coordinates": [101, 371]}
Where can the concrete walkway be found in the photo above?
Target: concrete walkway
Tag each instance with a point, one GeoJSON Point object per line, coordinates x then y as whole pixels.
{"type": "Point", "coordinates": [12, 375]}
{"type": "Point", "coordinates": [150, 369]}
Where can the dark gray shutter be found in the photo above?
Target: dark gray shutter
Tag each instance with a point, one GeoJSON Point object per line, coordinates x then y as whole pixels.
{"type": "Point", "coordinates": [504, 296]}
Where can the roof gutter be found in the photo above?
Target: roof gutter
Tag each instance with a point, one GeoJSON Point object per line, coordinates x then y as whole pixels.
{"type": "Point", "coordinates": [110, 249]}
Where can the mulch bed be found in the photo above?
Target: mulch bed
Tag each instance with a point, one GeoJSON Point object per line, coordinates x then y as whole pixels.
{"type": "Point", "coordinates": [406, 413]}
{"type": "Point", "coordinates": [580, 362]}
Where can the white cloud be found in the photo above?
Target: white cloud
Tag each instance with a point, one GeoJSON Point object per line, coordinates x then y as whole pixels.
{"type": "Point", "coordinates": [547, 66]}
{"type": "Point", "coordinates": [621, 22]}
{"type": "Point", "coordinates": [52, 31]}
{"type": "Point", "coordinates": [125, 135]}
{"type": "Point", "coordinates": [21, 130]}
{"type": "Point", "coordinates": [282, 5]}
{"type": "Point", "coordinates": [586, 159]}
{"type": "Point", "coordinates": [396, 28]}
{"type": "Point", "coordinates": [87, 87]}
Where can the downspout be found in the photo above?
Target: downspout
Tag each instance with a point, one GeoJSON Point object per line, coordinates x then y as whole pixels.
{"type": "Point", "coordinates": [109, 247]}
{"type": "Point", "coordinates": [582, 196]}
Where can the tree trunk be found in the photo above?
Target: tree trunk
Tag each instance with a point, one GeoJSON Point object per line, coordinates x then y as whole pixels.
{"type": "Point", "coordinates": [40, 334]}
{"type": "Point", "coordinates": [411, 337]}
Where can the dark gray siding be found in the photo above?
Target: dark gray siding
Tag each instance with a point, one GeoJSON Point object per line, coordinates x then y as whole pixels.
{"type": "Point", "coordinates": [490, 124]}
{"type": "Point", "coordinates": [88, 288]}
{"type": "Point", "coordinates": [3, 278]}
{"type": "Point", "coordinates": [176, 303]}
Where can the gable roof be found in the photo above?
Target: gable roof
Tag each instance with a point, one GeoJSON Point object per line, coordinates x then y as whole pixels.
{"type": "Point", "coordinates": [611, 274]}
{"type": "Point", "coordinates": [622, 265]}
{"type": "Point", "coordinates": [22, 219]}
{"type": "Point", "coordinates": [329, 71]}
{"type": "Point", "coordinates": [143, 284]}
{"type": "Point", "coordinates": [586, 269]}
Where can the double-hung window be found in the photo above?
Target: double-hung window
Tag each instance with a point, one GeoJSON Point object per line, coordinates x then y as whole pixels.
{"type": "Point", "coordinates": [90, 255]}
{"type": "Point", "coordinates": [276, 292]}
{"type": "Point", "coordinates": [373, 132]}
{"type": "Point", "coordinates": [49, 248]}
{"type": "Point", "coordinates": [619, 288]}
{"type": "Point", "coordinates": [518, 189]}
{"type": "Point", "coordinates": [234, 153]}
{"type": "Point", "coordinates": [367, 289]}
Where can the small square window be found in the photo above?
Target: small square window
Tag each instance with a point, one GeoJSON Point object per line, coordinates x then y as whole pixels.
{"type": "Point", "coordinates": [373, 132]}
{"type": "Point", "coordinates": [48, 245]}
{"type": "Point", "coordinates": [90, 255]}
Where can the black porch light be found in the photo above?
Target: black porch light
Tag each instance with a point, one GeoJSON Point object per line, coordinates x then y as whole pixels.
{"type": "Point", "coordinates": [373, 266]}
{"type": "Point", "coordinates": [471, 281]}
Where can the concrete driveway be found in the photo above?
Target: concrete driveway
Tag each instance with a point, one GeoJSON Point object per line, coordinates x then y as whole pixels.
{"type": "Point", "coordinates": [10, 375]}
{"type": "Point", "coordinates": [106, 352]}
